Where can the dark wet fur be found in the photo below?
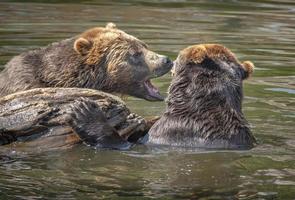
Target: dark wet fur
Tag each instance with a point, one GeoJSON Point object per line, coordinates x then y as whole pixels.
{"type": "Point", "coordinates": [89, 122]}
{"type": "Point", "coordinates": [204, 107]}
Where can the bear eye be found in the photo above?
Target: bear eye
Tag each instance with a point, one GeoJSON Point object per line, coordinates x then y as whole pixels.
{"type": "Point", "coordinates": [134, 52]}
{"type": "Point", "coordinates": [137, 54]}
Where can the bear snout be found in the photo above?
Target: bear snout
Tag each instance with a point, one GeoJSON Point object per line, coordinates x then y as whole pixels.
{"type": "Point", "coordinates": [166, 60]}
{"type": "Point", "coordinates": [164, 66]}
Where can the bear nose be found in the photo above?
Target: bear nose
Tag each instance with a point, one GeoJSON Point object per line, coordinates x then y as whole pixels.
{"type": "Point", "coordinates": [167, 60]}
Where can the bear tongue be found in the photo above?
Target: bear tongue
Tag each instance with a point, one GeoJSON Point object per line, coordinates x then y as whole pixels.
{"type": "Point", "coordinates": [152, 90]}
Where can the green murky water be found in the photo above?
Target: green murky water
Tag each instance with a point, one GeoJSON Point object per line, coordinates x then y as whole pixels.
{"type": "Point", "coordinates": [261, 31]}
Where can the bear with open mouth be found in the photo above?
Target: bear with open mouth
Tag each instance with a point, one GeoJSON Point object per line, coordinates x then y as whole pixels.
{"type": "Point", "coordinates": [102, 58]}
{"type": "Point", "coordinates": [38, 86]}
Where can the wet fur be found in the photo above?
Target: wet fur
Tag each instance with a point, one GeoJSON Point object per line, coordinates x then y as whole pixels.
{"type": "Point", "coordinates": [204, 105]}
{"type": "Point", "coordinates": [100, 58]}
{"type": "Point", "coordinates": [90, 123]}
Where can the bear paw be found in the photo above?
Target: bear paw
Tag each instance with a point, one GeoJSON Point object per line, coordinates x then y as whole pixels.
{"type": "Point", "coordinates": [136, 127]}
{"type": "Point", "coordinates": [85, 111]}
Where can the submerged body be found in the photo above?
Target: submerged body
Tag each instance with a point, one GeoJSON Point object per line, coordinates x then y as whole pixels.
{"type": "Point", "coordinates": [204, 105]}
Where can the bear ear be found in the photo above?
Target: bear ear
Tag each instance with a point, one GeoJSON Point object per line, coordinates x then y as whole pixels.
{"type": "Point", "coordinates": [111, 26]}
{"type": "Point", "coordinates": [248, 67]}
{"type": "Point", "coordinates": [82, 46]}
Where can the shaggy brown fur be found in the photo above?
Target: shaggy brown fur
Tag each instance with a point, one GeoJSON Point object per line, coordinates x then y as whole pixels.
{"type": "Point", "coordinates": [103, 58]}
{"type": "Point", "coordinates": [204, 106]}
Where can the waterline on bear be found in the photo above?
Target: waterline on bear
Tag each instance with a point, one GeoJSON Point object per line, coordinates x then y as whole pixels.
{"type": "Point", "coordinates": [191, 143]}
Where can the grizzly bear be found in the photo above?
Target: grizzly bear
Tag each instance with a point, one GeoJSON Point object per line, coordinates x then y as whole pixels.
{"type": "Point", "coordinates": [102, 58]}
{"type": "Point", "coordinates": [204, 105]}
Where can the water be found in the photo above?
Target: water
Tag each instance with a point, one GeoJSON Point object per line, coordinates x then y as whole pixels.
{"type": "Point", "coordinates": [261, 31]}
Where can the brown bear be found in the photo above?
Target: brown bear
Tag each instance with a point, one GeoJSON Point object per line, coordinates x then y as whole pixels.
{"type": "Point", "coordinates": [204, 105]}
{"type": "Point", "coordinates": [102, 58]}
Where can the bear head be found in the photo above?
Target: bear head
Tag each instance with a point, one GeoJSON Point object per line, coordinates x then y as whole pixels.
{"type": "Point", "coordinates": [121, 63]}
{"type": "Point", "coordinates": [212, 68]}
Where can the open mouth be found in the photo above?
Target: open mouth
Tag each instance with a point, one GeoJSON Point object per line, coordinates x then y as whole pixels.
{"type": "Point", "coordinates": [153, 92]}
